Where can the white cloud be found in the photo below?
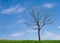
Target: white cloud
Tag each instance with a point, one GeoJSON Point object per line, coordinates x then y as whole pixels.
{"type": "Point", "coordinates": [50, 35]}
{"type": "Point", "coordinates": [46, 35]}
{"type": "Point", "coordinates": [35, 27]}
{"type": "Point", "coordinates": [58, 26]}
{"type": "Point", "coordinates": [13, 10]}
{"type": "Point", "coordinates": [49, 5]}
{"type": "Point", "coordinates": [32, 31]}
{"type": "Point", "coordinates": [17, 34]}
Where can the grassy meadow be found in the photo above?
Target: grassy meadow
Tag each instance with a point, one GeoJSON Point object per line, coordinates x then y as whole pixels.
{"type": "Point", "coordinates": [29, 41]}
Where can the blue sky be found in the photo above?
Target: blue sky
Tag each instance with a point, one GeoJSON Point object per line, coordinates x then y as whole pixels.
{"type": "Point", "coordinates": [13, 14]}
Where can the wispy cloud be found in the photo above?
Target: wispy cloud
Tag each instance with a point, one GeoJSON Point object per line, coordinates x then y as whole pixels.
{"type": "Point", "coordinates": [17, 34]}
{"type": "Point", "coordinates": [58, 26]}
{"type": "Point", "coordinates": [50, 35]}
{"type": "Point", "coordinates": [48, 5]}
{"type": "Point", "coordinates": [31, 31]}
{"type": "Point", "coordinates": [13, 10]}
{"type": "Point", "coordinates": [25, 35]}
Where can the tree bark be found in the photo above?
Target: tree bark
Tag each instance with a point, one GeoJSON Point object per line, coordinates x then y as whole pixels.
{"type": "Point", "coordinates": [39, 34]}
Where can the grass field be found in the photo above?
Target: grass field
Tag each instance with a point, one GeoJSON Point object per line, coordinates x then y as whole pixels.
{"type": "Point", "coordinates": [29, 41]}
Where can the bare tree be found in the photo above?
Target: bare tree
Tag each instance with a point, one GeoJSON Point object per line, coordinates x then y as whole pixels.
{"type": "Point", "coordinates": [40, 20]}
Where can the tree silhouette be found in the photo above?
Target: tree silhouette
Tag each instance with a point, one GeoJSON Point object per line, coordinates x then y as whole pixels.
{"type": "Point", "coordinates": [40, 20]}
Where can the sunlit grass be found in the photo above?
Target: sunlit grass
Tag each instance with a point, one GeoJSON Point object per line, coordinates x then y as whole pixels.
{"type": "Point", "coordinates": [29, 41]}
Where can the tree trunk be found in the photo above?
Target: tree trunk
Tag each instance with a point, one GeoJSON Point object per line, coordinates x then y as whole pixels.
{"type": "Point", "coordinates": [39, 34]}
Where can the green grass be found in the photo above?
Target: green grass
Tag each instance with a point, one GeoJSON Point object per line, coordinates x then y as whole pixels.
{"type": "Point", "coordinates": [29, 41]}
